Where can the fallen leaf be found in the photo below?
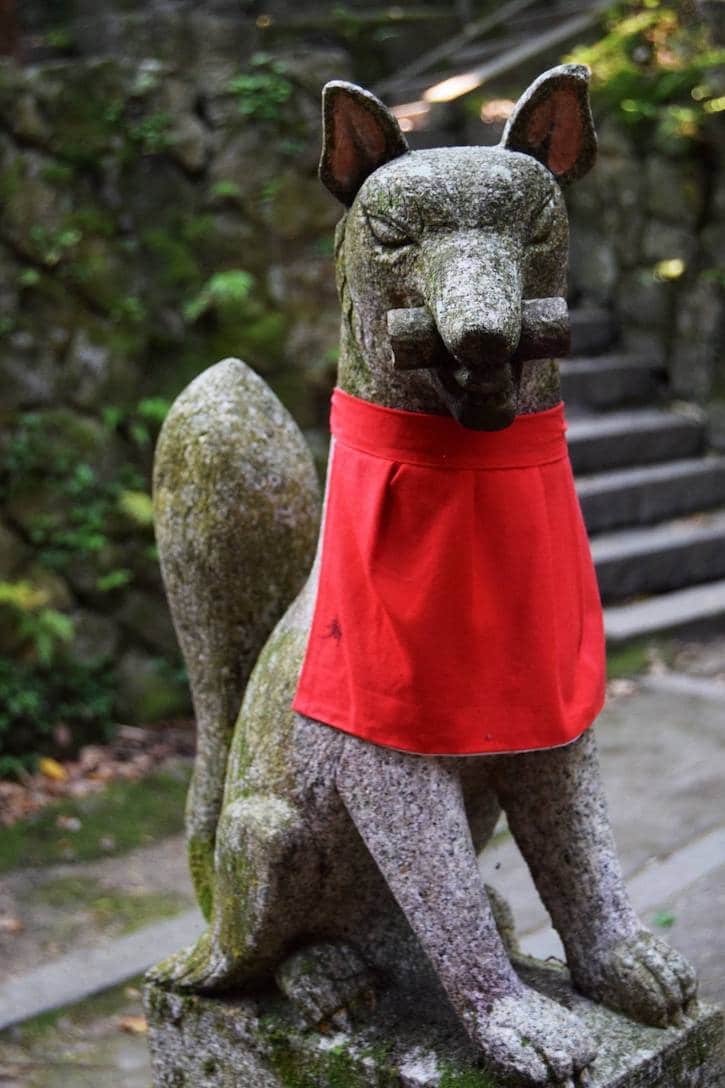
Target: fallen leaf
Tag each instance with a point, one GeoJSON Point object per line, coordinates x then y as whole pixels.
{"type": "Point", "coordinates": [51, 768]}
{"type": "Point", "coordinates": [134, 1025]}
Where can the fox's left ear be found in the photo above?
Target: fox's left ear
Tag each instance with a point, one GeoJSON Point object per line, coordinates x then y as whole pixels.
{"type": "Point", "coordinates": [553, 122]}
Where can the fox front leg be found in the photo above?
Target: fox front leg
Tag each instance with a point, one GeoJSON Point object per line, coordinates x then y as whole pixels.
{"type": "Point", "coordinates": [409, 811]}
{"type": "Point", "coordinates": [557, 813]}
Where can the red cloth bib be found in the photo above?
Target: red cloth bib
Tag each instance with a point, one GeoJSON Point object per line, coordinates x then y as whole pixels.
{"type": "Point", "coordinates": [457, 610]}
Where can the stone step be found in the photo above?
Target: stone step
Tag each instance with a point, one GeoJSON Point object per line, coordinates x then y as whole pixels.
{"type": "Point", "coordinates": [638, 437]}
{"type": "Point", "coordinates": [697, 610]}
{"type": "Point", "coordinates": [593, 330]}
{"type": "Point", "coordinates": [643, 496]}
{"type": "Point", "coordinates": [608, 381]}
{"type": "Point", "coordinates": [667, 556]}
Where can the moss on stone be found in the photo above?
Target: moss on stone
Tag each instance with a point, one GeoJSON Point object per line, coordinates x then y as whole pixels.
{"type": "Point", "coordinates": [452, 1077]}
{"type": "Point", "coordinates": [297, 1066]}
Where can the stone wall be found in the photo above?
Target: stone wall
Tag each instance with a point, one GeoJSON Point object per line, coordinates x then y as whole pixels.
{"type": "Point", "coordinates": [154, 218]}
{"type": "Point", "coordinates": [159, 209]}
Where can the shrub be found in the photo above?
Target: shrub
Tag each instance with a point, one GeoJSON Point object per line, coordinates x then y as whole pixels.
{"type": "Point", "coordinates": [51, 709]}
{"type": "Point", "coordinates": [49, 704]}
{"type": "Point", "coordinates": [652, 70]}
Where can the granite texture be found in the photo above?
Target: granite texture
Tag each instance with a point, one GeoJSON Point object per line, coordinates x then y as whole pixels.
{"type": "Point", "coordinates": [409, 1040]}
{"type": "Point", "coordinates": [335, 860]}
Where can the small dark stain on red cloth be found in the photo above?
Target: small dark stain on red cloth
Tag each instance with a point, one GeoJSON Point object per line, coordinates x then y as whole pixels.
{"type": "Point", "coordinates": [333, 630]}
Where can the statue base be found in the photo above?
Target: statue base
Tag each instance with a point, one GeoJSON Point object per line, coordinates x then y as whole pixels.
{"type": "Point", "coordinates": [243, 1041]}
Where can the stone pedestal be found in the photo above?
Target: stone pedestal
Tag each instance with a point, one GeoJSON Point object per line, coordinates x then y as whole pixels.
{"type": "Point", "coordinates": [407, 1041]}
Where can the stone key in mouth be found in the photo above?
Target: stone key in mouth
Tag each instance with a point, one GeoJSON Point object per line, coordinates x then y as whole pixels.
{"type": "Point", "coordinates": [417, 344]}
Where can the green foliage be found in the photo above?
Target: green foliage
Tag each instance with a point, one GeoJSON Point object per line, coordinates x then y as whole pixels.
{"type": "Point", "coordinates": [57, 173]}
{"type": "Point", "coordinates": [152, 133]}
{"type": "Point", "coordinates": [137, 506]}
{"type": "Point", "coordinates": [226, 190]}
{"type": "Point", "coordinates": [51, 246]}
{"type": "Point", "coordinates": [29, 277]}
{"type": "Point", "coordinates": [124, 816]}
{"type": "Point", "coordinates": [34, 629]}
{"type": "Point", "coordinates": [175, 259]}
{"type": "Point", "coordinates": [141, 423]}
{"type": "Point", "coordinates": [130, 309]}
{"type": "Point", "coordinates": [79, 529]}
{"type": "Point", "coordinates": [263, 90]}
{"type": "Point", "coordinates": [115, 579]}
{"type": "Point", "coordinates": [82, 504]}
{"type": "Point", "coordinates": [59, 38]}
{"type": "Point", "coordinates": [651, 69]}
{"type": "Point", "coordinates": [37, 698]}
{"type": "Point", "coordinates": [225, 289]}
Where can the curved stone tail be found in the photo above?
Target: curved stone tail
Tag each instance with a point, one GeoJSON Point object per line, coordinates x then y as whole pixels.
{"type": "Point", "coordinates": [237, 507]}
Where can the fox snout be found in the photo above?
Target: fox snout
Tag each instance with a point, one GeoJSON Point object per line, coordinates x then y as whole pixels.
{"type": "Point", "coordinates": [416, 343]}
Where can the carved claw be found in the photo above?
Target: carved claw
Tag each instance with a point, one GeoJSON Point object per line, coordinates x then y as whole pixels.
{"type": "Point", "coordinates": [199, 968]}
{"type": "Point", "coordinates": [533, 1039]}
{"type": "Point", "coordinates": [644, 978]}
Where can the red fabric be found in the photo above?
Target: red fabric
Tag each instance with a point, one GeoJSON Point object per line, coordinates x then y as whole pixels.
{"type": "Point", "coordinates": [457, 610]}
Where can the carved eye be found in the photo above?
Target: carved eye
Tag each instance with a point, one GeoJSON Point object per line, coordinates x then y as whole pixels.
{"type": "Point", "coordinates": [387, 231]}
{"type": "Point", "coordinates": [543, 224]}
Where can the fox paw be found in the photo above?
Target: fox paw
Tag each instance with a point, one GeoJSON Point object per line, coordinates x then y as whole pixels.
{"type": "Point", "coordinates": [532, 1040]}
{"type": "Point", "coordinates": [198, 968]}
{"type": "Point", "coordinates": [644, 978]}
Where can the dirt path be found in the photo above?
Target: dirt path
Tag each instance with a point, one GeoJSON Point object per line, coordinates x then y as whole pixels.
{"type": "Point", "coordinates": [64, 907]}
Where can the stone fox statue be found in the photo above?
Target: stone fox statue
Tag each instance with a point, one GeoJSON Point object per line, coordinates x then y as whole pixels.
{"type": "Point", "coordinates": [358, 846]}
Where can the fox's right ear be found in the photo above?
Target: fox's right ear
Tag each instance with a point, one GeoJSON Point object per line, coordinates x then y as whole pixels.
{"type": "Point", "coordinates": [359, 134]}
{"type": "Point", "coordinates": [552, 121]}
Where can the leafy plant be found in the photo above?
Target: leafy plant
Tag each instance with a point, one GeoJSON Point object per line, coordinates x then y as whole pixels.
{"type": "Point", "coordinates": [225, 190]}
{"type": "Point", "coordinates": [262, 91]}
{"type": "Point", "coordinates": [48, 702]}
{"type": "Point", "coordinates": [28, 621]}
{"type": "Point", "coordinates": [225, 289]}
{"type": "Point", "coordinates": [651, 68]}
{"type": "Point", "coordinates": [77, 524]}
{"type": "Point", "coordinates": [37, 699]}
{"type": "Point", "coordinates": [141, 423]}
{"type": "Point", "coordinates": [152, 133]}
{"type": "Point", "coordinates": [53, 245]}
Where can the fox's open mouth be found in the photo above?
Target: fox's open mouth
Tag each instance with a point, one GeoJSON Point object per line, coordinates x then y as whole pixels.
{"type": "Point", "coordinates": [482, 404]}
{"type": "Point", "coordinates": [476, 387]}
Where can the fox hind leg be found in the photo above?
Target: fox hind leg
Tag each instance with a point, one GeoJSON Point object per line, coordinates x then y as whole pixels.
{"type": "Point", "coordinates": [259, 898]}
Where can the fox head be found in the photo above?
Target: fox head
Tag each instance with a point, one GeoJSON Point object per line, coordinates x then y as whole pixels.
{"type": "Point", "coordinates": [452, 262]}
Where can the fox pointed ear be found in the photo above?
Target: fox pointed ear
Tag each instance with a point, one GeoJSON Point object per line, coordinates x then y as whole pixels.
{"type": "Point", "coordinates": [359, 135]}
{"type": "Point", "coordinates": [553, 122]}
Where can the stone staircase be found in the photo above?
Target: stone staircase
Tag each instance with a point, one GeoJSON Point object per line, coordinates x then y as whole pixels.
{"type": "Point", "coordinates": [653, 498]}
